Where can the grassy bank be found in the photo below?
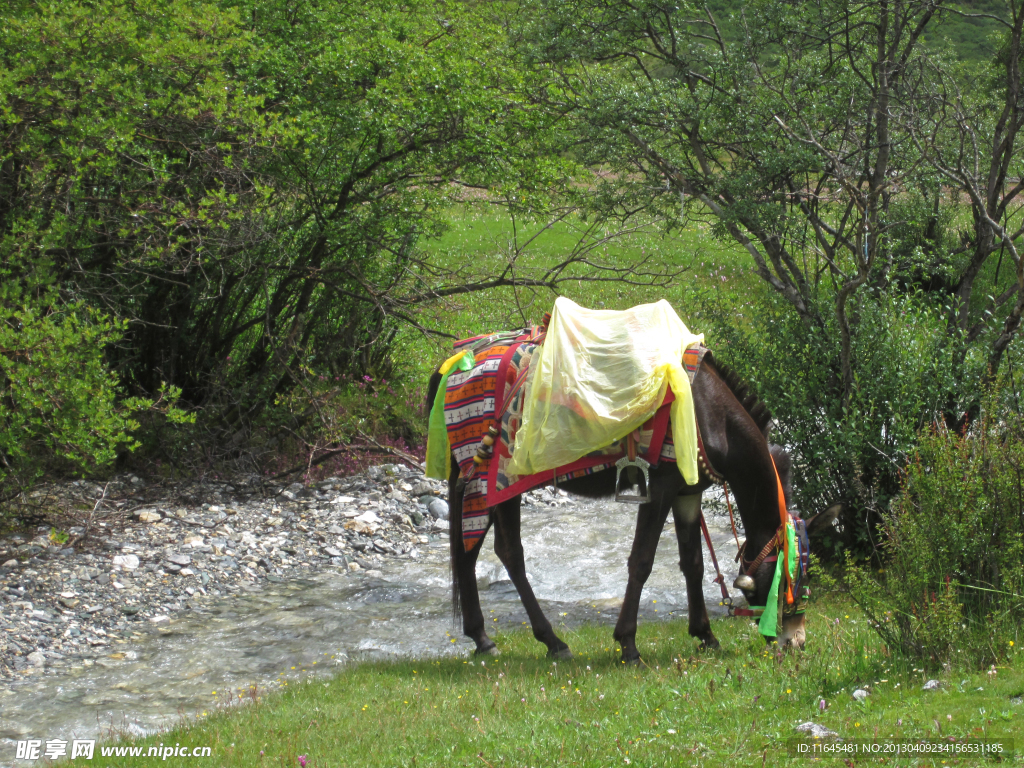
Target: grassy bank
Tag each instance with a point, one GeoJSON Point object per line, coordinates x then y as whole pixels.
{"type": "Point", "coordinates": [735, 706]}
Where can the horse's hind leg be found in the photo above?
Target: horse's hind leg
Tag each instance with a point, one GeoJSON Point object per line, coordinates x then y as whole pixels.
{"type": "Point", "coordinates": [649, 523]}
{"type": "Point", "coordinates": [686, 514]}
{"type": "Point", "coordinates": [466, 597]}
{"type": "Point", "coordinates": [472, 613]}
{"type": "Point", "coordinates": [508, 546]}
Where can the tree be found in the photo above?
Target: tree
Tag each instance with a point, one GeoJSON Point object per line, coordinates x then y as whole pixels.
{"type": "Point", "coordinates": [823, 139]}
{"type": "Point", "coordinates": [248, 184]}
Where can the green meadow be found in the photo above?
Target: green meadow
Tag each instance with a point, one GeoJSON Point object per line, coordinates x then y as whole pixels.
{"type": "Point", "coordinates": [739, 705]}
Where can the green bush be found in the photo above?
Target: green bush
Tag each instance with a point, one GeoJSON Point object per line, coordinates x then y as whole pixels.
{"type": "Point", "coordinates": [952, 589]}
{"type": "Point", "coordinates": [59, 402]}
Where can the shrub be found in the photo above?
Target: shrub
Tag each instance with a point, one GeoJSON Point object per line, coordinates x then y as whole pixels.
{"type": "Point", "coordinates": [953, 587]}
{"type": "Point", "coordinates": [60, 405]}
{"type": "Point", "coordinates": [340, 425]}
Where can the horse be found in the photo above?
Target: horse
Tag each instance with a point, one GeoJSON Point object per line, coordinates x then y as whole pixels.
{"type": "Point", "coordinates": [734, 426]}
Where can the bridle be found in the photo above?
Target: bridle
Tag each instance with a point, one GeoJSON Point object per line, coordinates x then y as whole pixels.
{"type": "Point", "coordinates": [797, 591]}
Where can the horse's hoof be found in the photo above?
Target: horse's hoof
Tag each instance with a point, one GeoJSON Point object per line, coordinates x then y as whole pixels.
{"type": "Point", "coordinates": [710, 644]}
{"type": "Point", "coordinates": [561, 653]}
{"type": "Point", "coordinates": [492, 651]}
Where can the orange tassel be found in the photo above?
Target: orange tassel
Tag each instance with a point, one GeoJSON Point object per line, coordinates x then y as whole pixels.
{"type": "Point", "coordinates": [784, 519]}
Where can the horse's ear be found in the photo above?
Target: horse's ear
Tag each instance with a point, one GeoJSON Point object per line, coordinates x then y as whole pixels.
{"type": "Point", "coordinates": [822, 521]}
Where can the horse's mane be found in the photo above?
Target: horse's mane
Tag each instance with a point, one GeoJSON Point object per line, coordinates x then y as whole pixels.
{"type": "Point", "coordinates": [748, 398]}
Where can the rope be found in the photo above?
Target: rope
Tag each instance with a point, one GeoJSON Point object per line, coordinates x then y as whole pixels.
{"type": "Point", "coordinates": [726, 598]}
{"type": "Point", "coordinates": [732, 522]}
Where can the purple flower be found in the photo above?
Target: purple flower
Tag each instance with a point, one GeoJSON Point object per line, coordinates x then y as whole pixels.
{"type": "Point", "coordinates": [302, 761]}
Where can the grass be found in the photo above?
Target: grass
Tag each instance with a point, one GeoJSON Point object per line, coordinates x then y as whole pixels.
{"type": "Point", "coordinates": [735, 706]}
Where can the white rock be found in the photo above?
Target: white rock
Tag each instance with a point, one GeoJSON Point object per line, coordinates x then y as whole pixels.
{"type": "Point", "coordinates": [438, 508]}
{"type": "Point", "coordinates": [932, 685]}
{"type": "Point", "coordinates": [36, 659]}
{"type": "Point", "coordinates": [816, 731]}
{"type": "Point", "coordinates": [343, 500]}
{"type": "Point", "coordinates": [860, 694]}
{"type": "Point", "coordinates": [368, 517]}
{"type": "Point", "coordinates": [149, 516]}
{"type": "Point", "coordinates": [128, 562]}
{"type": "Point", "coordinates": [12, 563]}
{"type": "Point", "coordinates": [161, 619]}
{"type": "Point", "coordinates": [353, 566]}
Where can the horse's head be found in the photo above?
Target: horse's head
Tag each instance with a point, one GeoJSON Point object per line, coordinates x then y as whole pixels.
{"type": "Point", "coordinates": [756, 585]}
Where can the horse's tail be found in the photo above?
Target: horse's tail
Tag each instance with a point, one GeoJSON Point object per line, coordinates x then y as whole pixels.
{"type": "Point", "coordinates": [456, 548]}
{"type": "Point", "coordinates": [454, 509]}
{"type": "Point", "coordinates": [432, 386]}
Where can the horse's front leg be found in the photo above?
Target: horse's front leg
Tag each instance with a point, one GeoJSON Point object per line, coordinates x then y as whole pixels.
{"type": "Point", "coordinates": [508, 546]}
{"type": "Point", "coordinates": [686, 514]}
{"type": "Point", "coordinates": [650, 521]}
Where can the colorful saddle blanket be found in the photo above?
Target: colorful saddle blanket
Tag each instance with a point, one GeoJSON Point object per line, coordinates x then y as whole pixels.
{"type": "Point", "coordinates": [499, 376]}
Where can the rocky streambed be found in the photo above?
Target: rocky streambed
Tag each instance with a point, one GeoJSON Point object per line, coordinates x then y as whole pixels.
{"type": "Point", "coordinates": [173, 549]}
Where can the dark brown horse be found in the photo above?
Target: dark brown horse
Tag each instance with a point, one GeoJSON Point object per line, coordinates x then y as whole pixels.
{"type": "Point", "coordinates": [733, 425]}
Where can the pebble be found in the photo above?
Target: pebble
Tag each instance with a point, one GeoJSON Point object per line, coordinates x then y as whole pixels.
{"type": "Point", "coordinates": [860, 694]}
{"type": "Point", "coordinates": [931, 685]}
{"type": "Point", "coordinates": [816, 731]}
{"type": "Point", "coordinates": [73, 605]}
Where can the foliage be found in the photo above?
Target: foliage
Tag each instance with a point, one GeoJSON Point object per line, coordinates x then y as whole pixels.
{"type": "Point", "coordinates": [60, 405]}
{"type": "Point", "coordinates": [736, 706]}
{"type": "Point", "coordinates": [338, 427]}
{"type": "Point", "coordinates": [953, 587]}
{"type": "Point", "coordinates": [248, 184]}
{"type": "Point", "coordinates": [104, 106]}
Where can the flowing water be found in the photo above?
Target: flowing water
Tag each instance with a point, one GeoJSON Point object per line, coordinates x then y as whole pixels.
{"type": "Point", "coordinates": [575, 557]}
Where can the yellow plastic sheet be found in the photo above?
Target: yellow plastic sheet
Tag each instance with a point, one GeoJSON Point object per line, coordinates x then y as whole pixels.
{"type": "Point", "coordinates": [599, 375]}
